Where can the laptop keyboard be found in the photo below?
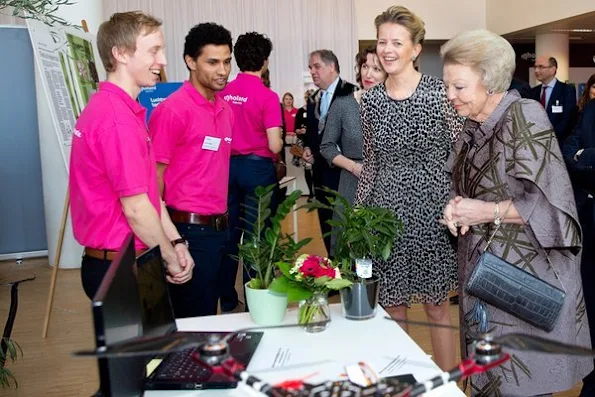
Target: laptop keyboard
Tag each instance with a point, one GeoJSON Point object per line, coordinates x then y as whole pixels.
{"type": "Point", "coordinates": [181, 366]}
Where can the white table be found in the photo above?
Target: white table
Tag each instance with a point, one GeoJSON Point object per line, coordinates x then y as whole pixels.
{"type": "Point", "coordinates": [378, 342]}
{"type": "Point", "coordinates": [284, 183]}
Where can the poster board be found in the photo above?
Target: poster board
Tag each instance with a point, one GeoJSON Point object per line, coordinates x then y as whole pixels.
{"type": "Point", "coordinates": [150, 97]}
{"type": "Point", "coordinates": [22, 230]}
{"type": "Point", "coordinates": [68, 72]}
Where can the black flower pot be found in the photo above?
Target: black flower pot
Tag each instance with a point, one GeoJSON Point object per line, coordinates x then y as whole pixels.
{"type": "Point", "coordinates": [361, 300]}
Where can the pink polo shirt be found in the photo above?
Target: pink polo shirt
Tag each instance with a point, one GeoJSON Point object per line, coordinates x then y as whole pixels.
{"type": "Point", "coordinates": [193, 137]}
{"type": "Point", "coordinates": [289, 118]}
{"type": "Point", "coordinates": [111, 158]}
{"type": "Point", "coordinates": [256, 108]}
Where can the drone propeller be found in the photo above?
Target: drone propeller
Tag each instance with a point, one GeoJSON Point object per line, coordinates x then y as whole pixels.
{"type": "Point", "coordinates": [541, 345]}
{"type": "Point", "coordinates": [422, 323]}
{"type": "Point", "coordinates": [146, 346]}
{"type": "Point", "coordinates": [170, 343]}
{"type": "Point", "coordinates": [516, 341]}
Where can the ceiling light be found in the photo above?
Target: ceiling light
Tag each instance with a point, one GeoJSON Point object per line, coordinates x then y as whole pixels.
{"type": "Point", "coordinates": [573, 30]}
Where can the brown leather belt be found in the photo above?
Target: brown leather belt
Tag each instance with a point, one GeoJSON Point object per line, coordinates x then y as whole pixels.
{"type": "Point", "coordinates": [219, 222]}
{"type": "Point", "coordinates": [105, 255]}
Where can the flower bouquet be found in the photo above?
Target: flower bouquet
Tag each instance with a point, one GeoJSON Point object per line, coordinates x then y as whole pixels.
{"type": "Point", "coordinates": [308, 281]}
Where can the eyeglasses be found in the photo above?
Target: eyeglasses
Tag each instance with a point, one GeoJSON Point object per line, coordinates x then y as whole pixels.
{"type": "Point", "coordinates": [539, 67]}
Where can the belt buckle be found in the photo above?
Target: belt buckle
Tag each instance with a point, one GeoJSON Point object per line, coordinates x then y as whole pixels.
{"type": "Point", "coordinates": [221, 223]}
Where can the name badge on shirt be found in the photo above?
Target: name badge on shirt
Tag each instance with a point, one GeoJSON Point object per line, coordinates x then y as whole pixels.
{"type": "Point", "coordinates": [557, 109]}
{"type": "Point", "coordinates": [211, 143]}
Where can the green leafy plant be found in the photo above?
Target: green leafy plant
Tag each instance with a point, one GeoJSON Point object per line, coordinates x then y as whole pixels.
{"type": "Point", "coordinates": [361, 232]}
{"type": "Point", "coordinates": [41, 10]}
{"type": "Point", "coordinates": [265, 244]}
{"type": "Point", "coordinates": [12, 352]}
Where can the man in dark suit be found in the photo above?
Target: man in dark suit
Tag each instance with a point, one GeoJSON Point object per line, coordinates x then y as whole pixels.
{"type": "Point", "coordinates": [558, 98]}
{"type": "Point", "coordinates": [324, 68]}
{"type": "Point", "coordinates": [523, 88]}
{"type": "Point", "coordinates": [579, 155]}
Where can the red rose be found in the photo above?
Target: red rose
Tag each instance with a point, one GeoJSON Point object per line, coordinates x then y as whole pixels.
{"type": "Point", "coordinates": [310, 267]}
{"type": "Point", "coordinates": [317, 266]}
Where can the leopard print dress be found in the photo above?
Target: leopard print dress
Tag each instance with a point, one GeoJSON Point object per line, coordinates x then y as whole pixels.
{"type": "Point", "coordinates": [406, 145]}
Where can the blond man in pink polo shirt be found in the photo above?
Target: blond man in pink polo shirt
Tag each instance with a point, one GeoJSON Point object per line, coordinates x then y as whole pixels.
{"type": "Point", "coordinates": [113, 178]}
{"type": "Point", "coordinates": [192, 137]}
{"type": "Point", "coordinates": [255, 148]}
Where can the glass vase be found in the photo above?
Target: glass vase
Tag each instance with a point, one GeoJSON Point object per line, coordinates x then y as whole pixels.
{"type": "Point", "coordinates": [314, 313]}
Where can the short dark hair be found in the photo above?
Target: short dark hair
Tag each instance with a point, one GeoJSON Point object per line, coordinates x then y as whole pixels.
{"type": "Point", "coordinates": [327, 57]}
{"type": "Point", "coordinates": [266, 78]}
{"type": "Point", "coordinates": [552, 61]}
{"type": "Point", "coordinates": [251, 51]}
{"type": "Point", "coordinates": [205, 34]}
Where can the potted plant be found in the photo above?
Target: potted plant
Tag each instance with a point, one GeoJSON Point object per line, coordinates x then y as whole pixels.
{"type": "Point", "coordinates": [308, 281]}
{"type": "Point", "coordinates": [363, 234]}
{"type": "Point", "coordinates": [261, 248]}
{"type": "Point", "coordinates": [9, 350]}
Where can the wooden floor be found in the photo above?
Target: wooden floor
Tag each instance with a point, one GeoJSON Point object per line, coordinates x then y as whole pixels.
{"type": "Point", "coordinates": [47, 369]}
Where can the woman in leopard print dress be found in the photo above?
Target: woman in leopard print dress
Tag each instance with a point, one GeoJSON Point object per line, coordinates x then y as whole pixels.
{"type": "Point", "coordinates": [408, 126]}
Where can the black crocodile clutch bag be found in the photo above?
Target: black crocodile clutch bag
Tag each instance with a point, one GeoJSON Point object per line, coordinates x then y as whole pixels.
{"type": "Point", "coordinates": [515, 291]}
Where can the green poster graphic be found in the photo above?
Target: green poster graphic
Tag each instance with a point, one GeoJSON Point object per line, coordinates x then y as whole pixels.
{"type": "Point", "coordinates": [83, 65]}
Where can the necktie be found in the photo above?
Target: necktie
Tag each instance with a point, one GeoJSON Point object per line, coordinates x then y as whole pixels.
{"type": "Point", "coordinates": [324, 105]}
{"type": "Point", "coordinates": [542, 99]}
{"type": "Point", "coordinates": [324, 102]}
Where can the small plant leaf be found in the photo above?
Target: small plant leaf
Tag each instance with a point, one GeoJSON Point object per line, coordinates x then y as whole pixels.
{"type": "Point", "coordinates": [338, 283]}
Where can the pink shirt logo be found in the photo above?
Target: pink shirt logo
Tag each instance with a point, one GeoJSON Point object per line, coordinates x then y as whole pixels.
{"type": "Point", "coordinates": [238, 100]}
{"type": "Point", "coordinates": [256, 108]}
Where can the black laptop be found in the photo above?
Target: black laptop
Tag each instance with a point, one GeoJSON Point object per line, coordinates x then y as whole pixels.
{"type": "Point", "coordinates": [117, 317]}
{"type": "Point", "coordinates": [178, 371]}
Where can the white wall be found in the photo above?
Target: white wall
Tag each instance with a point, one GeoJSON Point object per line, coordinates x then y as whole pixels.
{"type": "Point", "coordinates": [506, 16]}
{"type": "Point", "coordinates": [89, 10]}
{"type": "Point", "coordinates": [443, 19]}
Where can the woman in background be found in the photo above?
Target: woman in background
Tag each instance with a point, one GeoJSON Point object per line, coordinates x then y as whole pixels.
{"type": "Point", "coordinates": [300, 132]}
{"type": "Point", "coordinates": [289, 113]}
{"type": "Point", "coordinates": [342, 143]}
{"type": "Point", "coordinates": [588, 94]}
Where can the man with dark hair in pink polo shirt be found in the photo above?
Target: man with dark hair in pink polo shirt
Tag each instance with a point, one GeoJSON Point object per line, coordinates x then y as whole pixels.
{"type": "Point", "coordinates": [192, 131]}
{"type": "Point", "coordinates": [113, 178]}
{"type": "Point", "coordinates": [256, 145]}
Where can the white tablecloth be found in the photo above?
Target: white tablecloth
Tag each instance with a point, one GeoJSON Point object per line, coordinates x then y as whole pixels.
{"type": "Point", "coordinates": [291, 353]}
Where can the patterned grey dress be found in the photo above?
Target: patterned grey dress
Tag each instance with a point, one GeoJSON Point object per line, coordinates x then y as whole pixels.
{"type": "Point", "coordinates": [515, 155]}
{"type": "Point", "coordinates": [406, 145]}
{"type": "Point", "coordinates": [343, 135]}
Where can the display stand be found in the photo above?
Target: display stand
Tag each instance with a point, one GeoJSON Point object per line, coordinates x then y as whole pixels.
{"type": "Point", "coordinates": [57, 257]}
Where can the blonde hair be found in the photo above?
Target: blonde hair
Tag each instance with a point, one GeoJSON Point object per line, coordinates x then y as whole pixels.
{"type": "Point", "coordinates": [121, 31]}
{"type": "Point", "coordinates": [402, 16]}
{"type": "Point", "coordinates": [483, 51]}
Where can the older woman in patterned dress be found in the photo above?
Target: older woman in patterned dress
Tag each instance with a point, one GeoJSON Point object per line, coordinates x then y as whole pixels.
{"type": "Point", "coordinates": [507, 167]}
